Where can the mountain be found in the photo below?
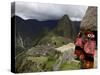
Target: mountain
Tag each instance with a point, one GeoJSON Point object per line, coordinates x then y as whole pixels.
{"type": "Point", "coordinates": [89, 21]}
{"type": "Point", "coordinates": [62, 33]}
{"type": "Point", "coordinates": [30, 29]}
{"type": "Point", "coordinates": [67, 28]}
{"type": "Point", "coordinates": [32, 32]}
{"type": "Point", "coordinates": [64, 27]}
{"type": "Point", "coordinates": [32, 26]}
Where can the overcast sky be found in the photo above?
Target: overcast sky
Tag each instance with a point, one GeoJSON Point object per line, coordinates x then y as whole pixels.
{"type": "Point", "coordinates": [42, 11]}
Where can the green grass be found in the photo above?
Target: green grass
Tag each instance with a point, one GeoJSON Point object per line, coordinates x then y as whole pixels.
{"type": "Point", "coordinates": [70, 66]}
{"type": "Point", "coordinates": [38, 60]}
{"type": "Point", "coordinates": [49, 65]}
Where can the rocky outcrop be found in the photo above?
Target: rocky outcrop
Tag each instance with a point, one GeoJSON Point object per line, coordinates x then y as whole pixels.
{"type": "Point", "coordinates": [89, 21]}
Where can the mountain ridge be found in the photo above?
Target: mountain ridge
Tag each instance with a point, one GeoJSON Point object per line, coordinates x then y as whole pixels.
{"type": "Point", "coordinates": [30, 32]}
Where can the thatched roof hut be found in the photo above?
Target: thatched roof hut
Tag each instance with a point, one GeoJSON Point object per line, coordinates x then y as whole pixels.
{"type": "Point", "coordinates": [89, 21]}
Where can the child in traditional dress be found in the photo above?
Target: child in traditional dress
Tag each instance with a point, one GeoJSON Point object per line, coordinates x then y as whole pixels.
{"type": "Point", "coordinates": [89, 49]}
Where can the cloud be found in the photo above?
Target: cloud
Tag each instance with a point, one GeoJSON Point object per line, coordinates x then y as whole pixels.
{"type": "Point", "coordinates": [43, 11]}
